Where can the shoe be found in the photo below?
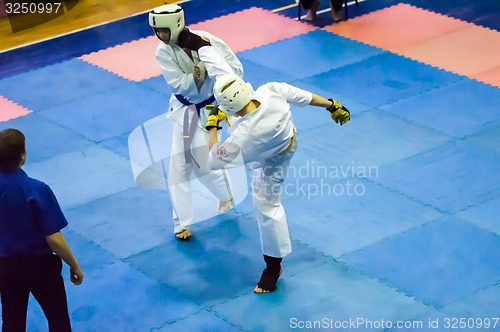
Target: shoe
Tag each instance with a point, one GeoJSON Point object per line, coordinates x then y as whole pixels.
{"type": "Point", "coordinates": [337, 16]}
{"type": "Point", "coordinates": [311, 14]}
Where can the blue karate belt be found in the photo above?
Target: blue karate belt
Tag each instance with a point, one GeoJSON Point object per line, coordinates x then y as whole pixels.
{"type": "Point", "coordinates": [190, 128]}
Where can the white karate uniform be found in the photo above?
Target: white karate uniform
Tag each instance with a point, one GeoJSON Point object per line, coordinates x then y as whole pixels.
{"type": "Point", "coordinates": [263, 138]}
{"type": "Point", "coordinates": [177, 69]}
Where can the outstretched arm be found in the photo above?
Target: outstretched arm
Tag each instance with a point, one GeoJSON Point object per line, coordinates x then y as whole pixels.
{"type": "Point", "coordinates": [300, 97]}
{"type": "Point", "coordinates": [338, 112]}
{"type": "Point", "coordinates": [320, 101]}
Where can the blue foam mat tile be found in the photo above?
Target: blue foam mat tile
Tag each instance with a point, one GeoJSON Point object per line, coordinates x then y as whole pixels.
{"type": "Point", "coordinates": [313, 53]}
{"type": "Point", "coordinates": [82, 176]}
{"type": "Point", "coordinates": [125, 223]}
{"type": "Point", "coordinates": [157, 84]}
{"type": "Point", "coordinates": [349, 214]}
{"type": "Point", "coordinates": [222, 260]}
{"type": "Point", "coordinates": [354, 105]}
{"type": "Point", "coordinates": [120, 298]}
{"type": "Point", "coordinates": [311, 117]}
{"type": "Point", "coordinates": [110, 114]}
{"type": "Point", "coordinates": [451, 177]}
{"type": "Point", "coordinates": [307, 118]}
{"type": "Point", "coordinates": [118, 145]}
{"type": "Point", "coordinates": [444, 109]}
{"type": "Point", "coordinates": [383, 79]}
{"type": "Point", "coordinates": [369, 139]}
{"type": "Point", "coordinates": [222, 7]}
{"type": "Point", "coordinates": [90, 255]}
{"type": "Point", "coordinates": [477, 12]}
{"type": "Point", "coordinates": [487, 138]}
{"type": "Point", "coordinates": [491, 21]}
{"type": "Point", "coordinates": [484, 215]}
{"type": "Point", "coordinates": [257, 74]}
{"type": "Point", "coordinates": [329, 294]}
{"type": "Point", "coordinates": [44, 139]}
{"type": "Point", "coordinates": [214, 264]}
{"type": "Point", "coordinates": [201, 321]}
{"type": "Point", "coordinates": [483, 304]}
{"type": "Point", "coordinates": [438, 263]}
{"type": "Point", "coordinates": [59, 84]}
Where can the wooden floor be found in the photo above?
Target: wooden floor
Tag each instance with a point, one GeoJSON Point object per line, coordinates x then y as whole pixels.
{"type": "Point", "coordinates": [85, 13]}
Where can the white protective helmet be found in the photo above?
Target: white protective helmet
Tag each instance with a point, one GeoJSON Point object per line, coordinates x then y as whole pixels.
{"type": "Point", "coordinates": [232, 93]}
{"type": "Point", "coordinates": [168, 17]}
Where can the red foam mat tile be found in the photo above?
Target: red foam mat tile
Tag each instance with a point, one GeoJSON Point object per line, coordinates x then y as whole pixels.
{"type": "Point", "coordinates": [10, 110]}
{"type": "Point", "coordinates": [252, 28]}
{"type": "Point", "coordinates": [469, 51]}
{"type": "Point", "coordinates": [448, 43]}
{"type": "Point", "coordinates": [134, 61]}
{"type": "Point", "coordinates": [490, 77]}
{"type": "Point", "coordinates": [397, 27]}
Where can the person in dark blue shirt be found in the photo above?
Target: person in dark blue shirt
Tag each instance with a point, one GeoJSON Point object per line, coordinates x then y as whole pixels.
{"type": "Point", "coordinates": [31, 244]}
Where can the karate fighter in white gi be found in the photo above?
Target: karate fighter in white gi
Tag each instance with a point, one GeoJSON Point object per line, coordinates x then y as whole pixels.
{"type": "Point", "coordinates": [264, 135]}
{"type": "Point", "coordinates": [192, 90]}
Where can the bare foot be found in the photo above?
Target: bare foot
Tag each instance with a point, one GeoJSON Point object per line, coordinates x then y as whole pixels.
{"type": "Point", "coordinates": [183, 234]}
{"type": "Point", "coordinates": [258, 290]}
{"type": "Point", "coordinates": [224, 206]}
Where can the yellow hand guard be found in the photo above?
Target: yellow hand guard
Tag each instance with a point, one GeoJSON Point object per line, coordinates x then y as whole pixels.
{"type": "Point", "coordinates": [221, 115]}
{"type": "Point", "coordinates": [213, 122]}
{"type": "Point", "coordinates": [338, 112]}
{"type": "Point", "coordinates": [214, 117]}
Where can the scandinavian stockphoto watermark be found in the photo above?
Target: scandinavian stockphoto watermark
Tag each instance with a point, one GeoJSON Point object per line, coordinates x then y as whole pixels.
{"type": "Point", "coordinates": [363, 324]}
{"type": "Point", "coordinates": [360, 323]}
{"type": "Point", "coordinates": [312, 179]}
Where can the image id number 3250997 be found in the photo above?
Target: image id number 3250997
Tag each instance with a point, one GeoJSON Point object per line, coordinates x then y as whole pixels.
{"type": "Point", "coordinates": [470, 323]}
{"type": "Point", "coordinates": [33, 7]}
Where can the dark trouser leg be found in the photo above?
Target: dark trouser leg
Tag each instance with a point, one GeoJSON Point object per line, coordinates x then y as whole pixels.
{"type": "Point", "coordinates": [271, 274]}
{"type": "Point", "coordinates": [306, 4]}
{"type": "Point", "coordinates": [273, 263]}
{"type": "Point", "coordinates": [48, 289]}
{"type": "Point", "coordinates": [336, 5]}
{"type": "Point", "coordinates": [14, 293]}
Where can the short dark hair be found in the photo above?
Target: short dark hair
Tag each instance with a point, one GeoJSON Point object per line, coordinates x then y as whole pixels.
{"type": "Point", "coordinates": [12, 149]}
